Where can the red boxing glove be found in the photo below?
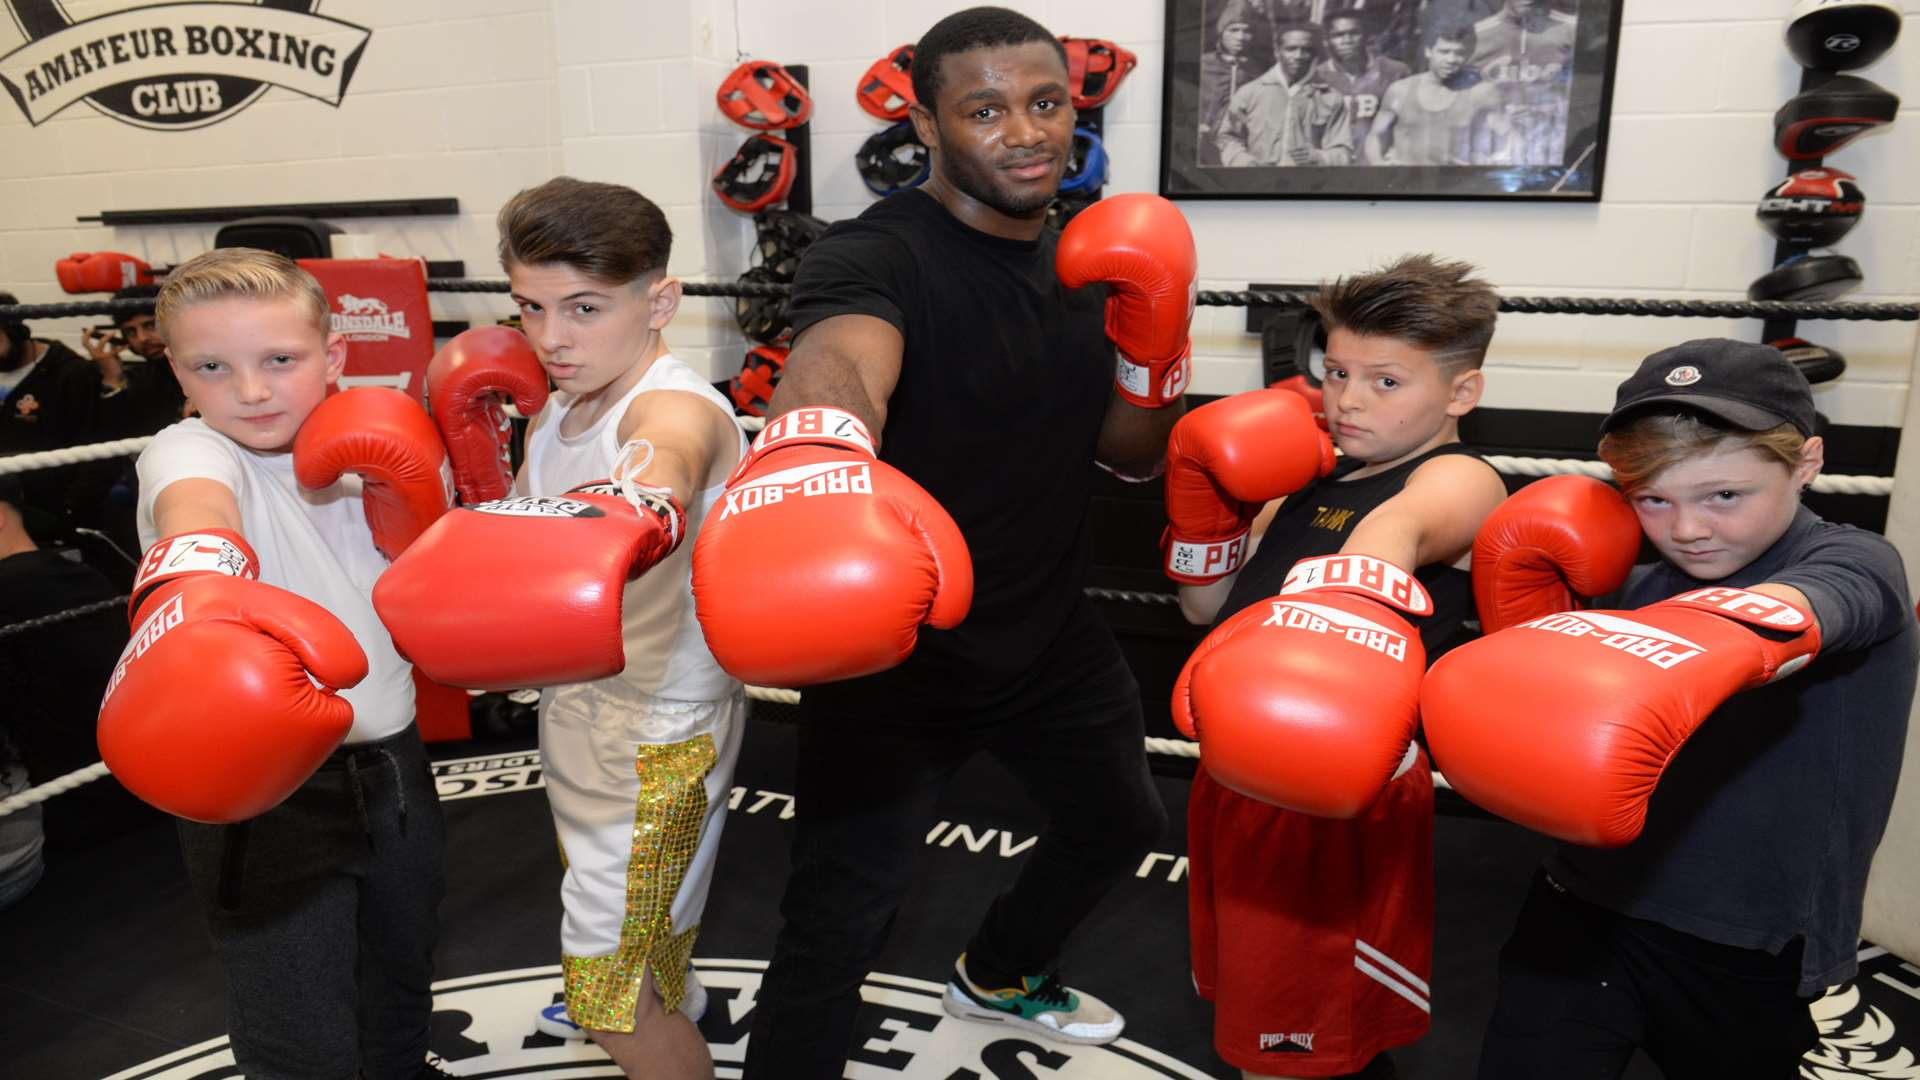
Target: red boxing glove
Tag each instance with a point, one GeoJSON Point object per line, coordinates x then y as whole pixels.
{"type": "Point", "coordinates": [1225, 460]}
{"type": "Point", "coordinates": [101, 271]}
{"type": "Point", "coordinates": [1550, 545]}
{"type": "Point", "coordinates": [466, 381]}
{"type": "Point", "coordinates": [385, 436]}
{"type": "Point", "coordinates": [555, 569]}
{"type": "Point", "coordinates": [866, 558]}
{"type": "Point", "coordinates": [1565, 723]}
{"type": "Point", "coordinates": [211, 714]}
{"type": "Point", "coordinates": [1308, 700]}
{"type": "Point", "coordinates": [1141, 246]}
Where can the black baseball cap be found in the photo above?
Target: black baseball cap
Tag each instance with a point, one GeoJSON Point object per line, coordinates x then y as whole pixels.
{"type": "Point", "coordinates": [1751, 386]}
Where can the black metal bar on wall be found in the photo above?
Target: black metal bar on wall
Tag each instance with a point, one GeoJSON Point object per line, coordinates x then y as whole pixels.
{"type": "Point", "coordinates": [201, 214]}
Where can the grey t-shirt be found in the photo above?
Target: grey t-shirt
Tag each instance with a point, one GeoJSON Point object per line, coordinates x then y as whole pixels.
{"type": "Point", "coordinates": [1764, 825]}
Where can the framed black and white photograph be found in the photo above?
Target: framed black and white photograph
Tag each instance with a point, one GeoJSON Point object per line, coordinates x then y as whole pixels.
{"type": "Point", "coordinates": [1387, 99]}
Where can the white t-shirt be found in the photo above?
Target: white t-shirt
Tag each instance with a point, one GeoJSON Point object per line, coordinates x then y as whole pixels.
{"type": "Point", "coordinates": [313, 543]}
{"type": "Point", "coordinates": [666, 655]}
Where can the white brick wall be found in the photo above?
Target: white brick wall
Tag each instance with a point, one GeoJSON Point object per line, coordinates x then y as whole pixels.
{"type": "Point", "coordinates": [483, 97]}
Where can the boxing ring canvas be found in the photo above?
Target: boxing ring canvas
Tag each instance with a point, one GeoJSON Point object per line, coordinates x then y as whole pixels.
{"type": "Point", "coordinates": [1387, 99]}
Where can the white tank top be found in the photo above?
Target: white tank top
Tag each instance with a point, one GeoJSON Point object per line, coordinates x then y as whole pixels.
{"type": "Point", "coordinates": [666, 656]}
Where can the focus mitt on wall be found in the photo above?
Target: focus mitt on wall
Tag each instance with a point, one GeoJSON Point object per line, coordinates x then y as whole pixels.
{"type": "Point", "coordinates": [1841, 35]}
{"type": "Point", "coordinates": [1813, 207]}
{"type": "Point", "coordinates": [1817, 362]}
{"type": "Point", "coordinates": [759, 175]}
{"type": "Point", "coordinates": [1809, 278]}
{"type": "Point", "coordinates": [1819, 121]}
{"type": "Point", "coordinates": [762, 95]}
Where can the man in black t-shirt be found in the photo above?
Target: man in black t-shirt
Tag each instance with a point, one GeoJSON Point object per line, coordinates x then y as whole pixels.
{"type": "Point", "coordinates": [49, 400]}
{"type": "Point", "coordinates": [946, 322]}
{"type": "Point", "coordinates": [53, 677]}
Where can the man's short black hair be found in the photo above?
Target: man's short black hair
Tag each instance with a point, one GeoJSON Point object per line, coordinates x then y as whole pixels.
{"type": "Point", "coordinates": [965, 31]}
{"type": "Point", "coordinates": [14, 329]}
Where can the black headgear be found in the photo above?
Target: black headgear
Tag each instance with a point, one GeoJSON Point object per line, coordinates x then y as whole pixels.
{"type": "Point", "coordinates": [759, 175]}
{"type": "Point", "coordinates": [782, 237]}
{"type": "Point", "coordinates": [765, 319]}
{"type": "Point", "coordinates": [893, 159]}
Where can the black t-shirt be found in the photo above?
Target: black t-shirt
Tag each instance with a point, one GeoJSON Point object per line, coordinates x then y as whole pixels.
{"type": "Point", "coordinates": [54, 407]}
{"type": "Point", "coordinates": [1317, 521]}
{"type": "Point", "coordinates": [53, 678]}
{"type": "Point", "coordinates": [1003, 387]}
{"type": "Point", "coordinates": [1764, 825]}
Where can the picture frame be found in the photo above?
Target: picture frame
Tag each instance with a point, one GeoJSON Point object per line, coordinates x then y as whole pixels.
{"type": "Point", "coordinates": [1387, 99]}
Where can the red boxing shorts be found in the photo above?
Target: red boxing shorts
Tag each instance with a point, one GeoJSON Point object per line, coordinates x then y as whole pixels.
{"type": "Point", "coordinates": [1313, 937]}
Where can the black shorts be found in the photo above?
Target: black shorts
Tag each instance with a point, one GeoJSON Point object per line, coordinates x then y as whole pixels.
{"type": "Point", "coordinates": [1582, 987]}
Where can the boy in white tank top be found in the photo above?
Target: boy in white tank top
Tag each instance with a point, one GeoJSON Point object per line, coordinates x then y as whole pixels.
{"type": "Point", "coordinates": [639, 726]}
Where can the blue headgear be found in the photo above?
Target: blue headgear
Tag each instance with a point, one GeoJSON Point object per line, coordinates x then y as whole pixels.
{"type": "Point", "coordinates": [893, 159]}
{"type": "Point", "coordinates": [1086, 165]}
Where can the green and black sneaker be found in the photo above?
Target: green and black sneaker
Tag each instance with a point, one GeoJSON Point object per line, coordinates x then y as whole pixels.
{"type": "Point", "coordinates": [1041, 1004]}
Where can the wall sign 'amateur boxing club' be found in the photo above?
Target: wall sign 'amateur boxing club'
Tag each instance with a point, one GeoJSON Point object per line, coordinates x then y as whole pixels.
{"type": "Point", "coordinates": [175, 67]}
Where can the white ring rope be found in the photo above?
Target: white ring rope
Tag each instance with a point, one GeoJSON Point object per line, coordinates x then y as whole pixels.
{"type": "Point", "coordinates": [35, 795]}
{"type": "Point", "coordinates": [1517, 466]}
{"type": "Point", "coordinates": [1181, 748]}
{"type": "Point", "coordinates": [72, 455]}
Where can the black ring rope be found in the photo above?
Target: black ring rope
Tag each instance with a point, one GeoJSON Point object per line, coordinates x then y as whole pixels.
{"type": "Point", "coordinates": [1535, 305]}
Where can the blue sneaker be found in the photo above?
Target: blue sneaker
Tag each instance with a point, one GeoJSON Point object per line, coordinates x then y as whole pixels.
{"type": "Point", "coordinates": [553, 1020]}
{"type": "Point", "coordinates": [1040, 1004]}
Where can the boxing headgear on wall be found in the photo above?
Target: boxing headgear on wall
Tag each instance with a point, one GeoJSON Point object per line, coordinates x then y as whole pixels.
{"type": "Point", "coordinates": [1819, 121]}
{"type": "Point", "coordinates": [1841, 35]}
{"type": "Point", "coordinates": [759, 175]}
{"type": "Point", "coordinates": [764, 319]}
{"type": "Point", "coordinates": [893, 159]}
{"type": "Point", "coordinates": [1812, 208]}
{"type": "Point", "coordinates": [782, 236]}
{"type": "Point", "coordinates": [1086, 165]}
{"type": "Point", "coordinates": [886, 89]}
{"type": "Point", "coordinates": [761, 94]}
{"type": "Point", "coordinates": [1095, 69]}
{"type": "Point", "coordinates": [753, 387]}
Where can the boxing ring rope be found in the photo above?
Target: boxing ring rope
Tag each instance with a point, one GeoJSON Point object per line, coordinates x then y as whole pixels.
{"type": "Point", "coordinates": [1535, 305]}
{"type": "Point", "coordinates": [1833, 485]}
{"type": "Point", "coordinates": [1903, 505]}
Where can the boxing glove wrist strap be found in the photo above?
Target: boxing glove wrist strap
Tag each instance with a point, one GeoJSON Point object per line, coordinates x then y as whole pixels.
{"type": "Point", "coordinates": [214, 551]}
{"type": "Point", "coordinates": [1155, 385]}
{"type": "Point", "coordinates": [1362, 575]}
{"type": "Point", "coordinates": [656, 502]}
{"type": "Point", "coordinates": [816, 425]}
{"type": "Point", "coordinates": [1200, 561]}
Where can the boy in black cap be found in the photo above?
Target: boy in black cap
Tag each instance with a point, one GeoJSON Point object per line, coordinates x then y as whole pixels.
{"type": "Point", "coordinates": [1702, 940]}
